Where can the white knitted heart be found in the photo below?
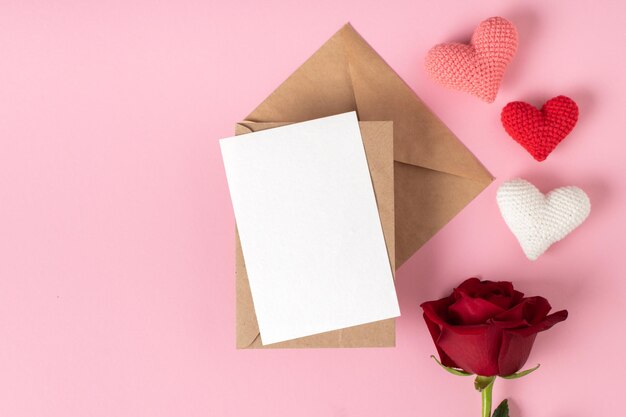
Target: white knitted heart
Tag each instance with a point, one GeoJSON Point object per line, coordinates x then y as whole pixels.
{"type": "Point", "coordinates": [538, 220]}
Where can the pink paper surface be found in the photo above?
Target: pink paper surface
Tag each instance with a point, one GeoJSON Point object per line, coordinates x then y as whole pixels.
{"type": "Point", "coordinates": [116, 228]}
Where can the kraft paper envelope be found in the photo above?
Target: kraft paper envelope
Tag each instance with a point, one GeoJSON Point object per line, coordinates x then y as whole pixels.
{"type": "Point", "coordinates": [435, 176]}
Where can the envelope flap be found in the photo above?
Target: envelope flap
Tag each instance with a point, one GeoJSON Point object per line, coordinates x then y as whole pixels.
{"type": "Point", "coordinates": [421, 139]}
{"type": "Point", "coordinates": [346, 74]}
{"type": "Point", "coordinates": [318, 88]}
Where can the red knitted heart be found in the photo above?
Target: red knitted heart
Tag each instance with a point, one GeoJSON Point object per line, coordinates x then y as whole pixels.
{"type": "Point", "coordinates": [477, 68]}
{"type": "Point", "coordinates": [540, 131]}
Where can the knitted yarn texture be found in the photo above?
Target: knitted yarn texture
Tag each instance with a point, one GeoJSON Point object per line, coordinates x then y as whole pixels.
{"type": "Point", "coordinates": [477, 68]}
{"type": "Point", "coordinates": [538, 220]}
{"type": "Point", "coordinates": [540, 131]}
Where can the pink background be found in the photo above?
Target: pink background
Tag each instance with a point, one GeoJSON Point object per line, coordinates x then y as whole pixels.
{"type": "Point", "coordinates": [116, 228]}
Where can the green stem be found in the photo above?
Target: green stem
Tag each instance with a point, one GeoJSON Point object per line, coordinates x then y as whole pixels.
{"type": "Point", "coordinates": [486, 396]}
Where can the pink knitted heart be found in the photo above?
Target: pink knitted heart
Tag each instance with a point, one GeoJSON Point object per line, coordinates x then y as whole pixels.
{"type": "Point", "coordinates": [476, 68]}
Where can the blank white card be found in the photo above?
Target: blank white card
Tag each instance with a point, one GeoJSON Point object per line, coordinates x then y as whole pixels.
{"type": "Point", "coordinates": [309, 227]}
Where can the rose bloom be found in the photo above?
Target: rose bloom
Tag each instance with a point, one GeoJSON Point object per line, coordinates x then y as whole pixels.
{"type": "Point", "coordinates": [487, 328]}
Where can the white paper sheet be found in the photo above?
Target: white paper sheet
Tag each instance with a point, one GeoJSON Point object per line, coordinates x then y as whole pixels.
{"type": "Point", "coordinates": [310, 232]}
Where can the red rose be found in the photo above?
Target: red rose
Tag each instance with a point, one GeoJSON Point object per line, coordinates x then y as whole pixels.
{"type": "Point", "coordinates": [487, 328]}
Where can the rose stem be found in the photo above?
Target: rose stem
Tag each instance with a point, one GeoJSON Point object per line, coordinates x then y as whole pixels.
{"type": "Point", "coordinates": [486, 396]}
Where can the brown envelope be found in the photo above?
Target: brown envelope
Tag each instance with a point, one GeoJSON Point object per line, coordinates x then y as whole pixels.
{"type": "Point", "coordinates": [435, 176]}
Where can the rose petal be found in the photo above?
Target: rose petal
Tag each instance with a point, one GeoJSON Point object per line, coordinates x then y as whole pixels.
{"type": "Point", "coordinates": [517, 343]}
{"type": "Point", "coordinates": [437, 310]}
{"type": "Point", "coordinates": [529, 311]}
{"type": "Point", "coordinates": [503, 301]}
{"type": "Point", "coordinates": [537, 308]}
{"type": "Point", "coordinates": [473, 348]}
{"type": "Point", "coordinates": [468, 311]}
{"type": "Point", "coordinates": [514, 352]}
{"type": "Point", "coordinates": [468, 287]}
{"type": "Point", "coordinates": [517, 297]}
{"type": "Point", "coordinates": [469, 284]}
{"type": "Point", "coordinates": [476, 288]}
{"type": "Point", "coordinates": [435, 316]}
{"type": "Point", "coordinates": [435, 332]}
{"type": "Point", "coordinates": [544, 325]}
{"type": "Point", "coordinates": [500, 288]}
